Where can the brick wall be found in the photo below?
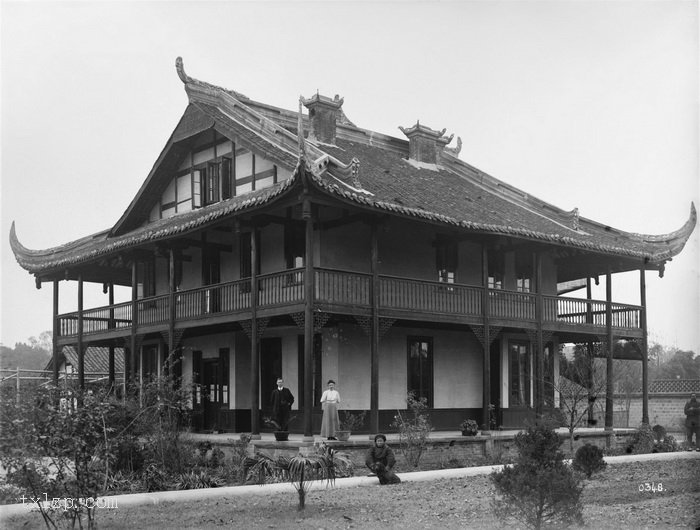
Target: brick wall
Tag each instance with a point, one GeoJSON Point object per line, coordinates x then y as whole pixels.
{"type": "Point", "coordinates": [444, 453]}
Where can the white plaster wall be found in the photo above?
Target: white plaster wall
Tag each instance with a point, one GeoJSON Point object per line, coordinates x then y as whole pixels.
{"type": "Point", "coordinates": [350, 345]}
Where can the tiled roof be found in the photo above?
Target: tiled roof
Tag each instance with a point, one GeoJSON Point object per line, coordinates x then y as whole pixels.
{"type": "Point", "coordinates": [96, 359]}
{"type": "Point", "coordinates": [452, 193]}
{"type": "Point", "coordinates": [100, 244]}
{"type": "Point", "coordinates": [460, 195]}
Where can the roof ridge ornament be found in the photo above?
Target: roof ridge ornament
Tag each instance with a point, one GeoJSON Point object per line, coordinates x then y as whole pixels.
{"type": "Point", "coordinates": [202, 85]}
{"type": "Point", "coordinates": [576, 222]}
{"type": "Point", "coordinates": [454, 151]}
{"type": "Point", "coordinates": [180, 68]}
{"type": "Point", "coordinates": [300, 130]}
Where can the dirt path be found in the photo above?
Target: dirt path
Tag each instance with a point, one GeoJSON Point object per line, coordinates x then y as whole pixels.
{"type": "Point", "coordinates": [612, 500]}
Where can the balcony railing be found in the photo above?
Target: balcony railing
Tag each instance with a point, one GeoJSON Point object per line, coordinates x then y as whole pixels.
{"type": "Point", "coordinates": [353, 291]}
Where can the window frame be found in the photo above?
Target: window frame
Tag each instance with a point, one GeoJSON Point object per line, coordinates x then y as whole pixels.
{"type": "Point", "coordinates": [517, 398]}
{"type": "Point", "coordinates": [426, 387]}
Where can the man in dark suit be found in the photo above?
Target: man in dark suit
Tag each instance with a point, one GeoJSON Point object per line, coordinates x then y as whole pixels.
{"type": "Point", "coordinates": [281, 400]}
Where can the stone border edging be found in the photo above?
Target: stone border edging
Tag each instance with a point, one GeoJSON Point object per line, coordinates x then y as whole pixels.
{"type": "Point", "coordinates": [140, 499]}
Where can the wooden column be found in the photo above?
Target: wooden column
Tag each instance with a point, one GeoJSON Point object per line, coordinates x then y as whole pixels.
{"type": "Point", "coordinates": [254, 345]}
{"type": "Point", "coordinates": [486, 311]}
{"type": "Point", "coordinates": [589, 357]}
{"type": "Point", "coordinates": [308, 319]}
{"type": "Point", "coordinates": [170, 357]}
{"type": "Point", "coordinates": [81, 353]}
{"type": "Point", "coordinates": [609, 366]}
{"type": "Point", "coordinates": [645, 345]}
{"type": "Point", "coordinates": [374, 339]}
{"type": "Point", "coordinates": [539, 353]}
{"type": "Point", "coordinates": [111, 369]}
{"type": "Point", "coordinates": [56, 332]}
{"type": "Point", "coordinates": [130, 360]}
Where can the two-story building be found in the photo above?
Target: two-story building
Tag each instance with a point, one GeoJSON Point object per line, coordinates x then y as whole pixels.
{"type": "Point", "coordinates": [268, 242]}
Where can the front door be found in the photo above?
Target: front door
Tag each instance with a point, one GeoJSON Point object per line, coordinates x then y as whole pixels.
{"type": "Point", "coordinates": [270, 370]}
{"type": "Point", "coordinates": [211, 397]}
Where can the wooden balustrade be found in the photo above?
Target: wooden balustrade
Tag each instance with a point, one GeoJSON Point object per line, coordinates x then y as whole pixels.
{"type": "Point", "coordinates": [97, 320]}
{"type": "Point", "coordinates": [350, 289]}
{"type": "Point", "coordinates": [427, 296]}
{"type": "Point", "coordinates": [339, 287]}
{"type": "Point", "coordinates": [281, 288]}
{"type": "Point", "coordinates": [153, 310]}
{"type": "Point", "coordinates": [512, 305]}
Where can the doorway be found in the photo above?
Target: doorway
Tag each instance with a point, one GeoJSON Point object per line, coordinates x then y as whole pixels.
{"type": "Point", "coordinates": [211, 397]}
{"type": "Point", "coordinates": [270, 370]}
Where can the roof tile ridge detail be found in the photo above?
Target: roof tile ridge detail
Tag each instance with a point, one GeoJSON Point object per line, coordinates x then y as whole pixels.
{"type": "Point", "coordinates": [510, 193]}
{"type": "Point", "coordinates": [187, 80]}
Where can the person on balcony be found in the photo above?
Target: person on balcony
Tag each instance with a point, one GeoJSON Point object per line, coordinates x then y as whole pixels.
{"type": "Point", "coordinates": [281, 401]}
{"type": "Point", "coordinates": [329, 401]}
{"type": "Point", "coordinates": [692, 421]}
{"type": "Point", "coordinates": [380, 459]}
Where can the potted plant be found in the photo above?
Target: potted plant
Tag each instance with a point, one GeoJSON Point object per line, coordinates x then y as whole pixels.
{"type": "Point", "coordinates": [469, 428]}
{"type": "Point", "coordinates": [281, 431]}
{"type": "Point", "coordinates": [349, 422]}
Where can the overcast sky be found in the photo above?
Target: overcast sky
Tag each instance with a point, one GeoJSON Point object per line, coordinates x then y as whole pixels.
{"type": "Point", "coordinates": [586, 104]}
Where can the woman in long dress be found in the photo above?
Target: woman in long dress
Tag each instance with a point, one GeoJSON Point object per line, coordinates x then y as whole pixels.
{"type": "Point", "coordinates": [329, 402]}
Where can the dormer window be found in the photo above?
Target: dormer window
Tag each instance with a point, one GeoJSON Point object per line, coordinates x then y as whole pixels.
{"type": "Point", "coordinates": [215, 173]}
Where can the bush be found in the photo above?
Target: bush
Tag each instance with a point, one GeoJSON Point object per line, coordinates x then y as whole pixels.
{"type": "Point", "coordinates": [659, 432]}
{"type": "Point", "coordinates": [539, 489]}
{"type": "Point", "coordinates": [667, 445]}
{"type": "Point", "coordinates": [469, 427]}
{"type": "Point", "coordinates": [589, 460]}
{"type": "Point", "coordinates": [414, 429]}
{"type": "Point", "coordinates": [641, 441]}
{"type": "Point", "coordinates": [193, 480]}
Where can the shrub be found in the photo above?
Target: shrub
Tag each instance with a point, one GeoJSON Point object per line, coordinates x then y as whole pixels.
{"type": "Point", "coordinates": [469, 427]}
{"type": "Point", "coordinates": [539, 489]}
{"type": "Point", "coordinates": [193, 480]}
{"type": "Point", "coordinates": [589, 460]}
{"type": "Point", "coordinates": [325, 465]}
{"type": "Point", "coordinates": [659, 432]}
{"type": "Point", "coordinates": [352, 422]}
{"type": "Point", "coordinates": [641, 441]}
{"type": "Point", "coordinates": [667, 445]}
{"type": "Point", "coordinates": [414, 429]}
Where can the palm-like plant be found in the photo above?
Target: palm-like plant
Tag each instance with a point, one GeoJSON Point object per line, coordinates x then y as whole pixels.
{"type": "Point", "coordinates": [300, 470]}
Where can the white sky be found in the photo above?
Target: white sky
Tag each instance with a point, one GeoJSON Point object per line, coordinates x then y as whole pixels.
{"type": "Point", "coordinates": [586, 104]}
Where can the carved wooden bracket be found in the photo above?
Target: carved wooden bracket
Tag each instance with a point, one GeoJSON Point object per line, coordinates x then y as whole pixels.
{"type": "Point", "coordinates": [481, 335]}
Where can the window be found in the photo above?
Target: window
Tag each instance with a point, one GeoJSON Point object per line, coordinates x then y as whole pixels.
{"type": "Point", "coordinates": [212, 180]}
{"type": "Point", "coordinates": [520, 370]}
{"type": "Point", "coordinates": [226, 179]}
{"type": "Point", "coordinates": [446, 260]}
{"type": "Point", "coordinates": [294, 244]}
{"type": "Point", "coordinates": [146, 274]}
{"type": "Point", "coordinates": [420, 368]}
{"type": "Point", "coordinates": [197, 177]}
{"type": "Point", "coordinates": [496, 271]}
{"type": "Point", "coordinates": [523, 272]}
